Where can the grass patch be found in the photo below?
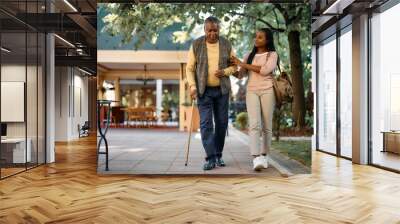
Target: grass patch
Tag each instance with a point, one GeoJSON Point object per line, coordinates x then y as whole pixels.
{"type": "Point", "coordinates": [297, 150]}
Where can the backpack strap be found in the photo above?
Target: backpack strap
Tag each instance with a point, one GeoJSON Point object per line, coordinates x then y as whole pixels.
{"type": "Point", "coordinates": [278, 64]}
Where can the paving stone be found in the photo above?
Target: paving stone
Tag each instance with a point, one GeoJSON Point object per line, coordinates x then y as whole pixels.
{"type": "Point", "coordinates": [138, 151]}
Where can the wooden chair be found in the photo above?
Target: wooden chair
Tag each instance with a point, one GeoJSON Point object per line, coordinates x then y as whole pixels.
{"type": "Point", "coordinates": [150, 117]}
{"type": "Point", "coordinates": [117, 115]}
{"type": "Point", "coordinates": [134, 115]}
{"type": "Point", "coordinates": [143, 116]}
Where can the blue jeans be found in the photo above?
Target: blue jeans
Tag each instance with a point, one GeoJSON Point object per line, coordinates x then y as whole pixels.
{"type": "Point", "coordinates": [213, 105]}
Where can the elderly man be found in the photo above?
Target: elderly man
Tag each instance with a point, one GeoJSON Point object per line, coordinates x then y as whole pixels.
{"type": "Point", "coordinates": [208, 70]}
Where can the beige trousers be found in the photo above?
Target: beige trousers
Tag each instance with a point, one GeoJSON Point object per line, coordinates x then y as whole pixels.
{"type": "Point", "coordinates": [260, 108]}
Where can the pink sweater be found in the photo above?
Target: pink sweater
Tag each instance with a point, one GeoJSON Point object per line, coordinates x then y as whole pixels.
{"type": "Point", "coordinates": [263, 79]}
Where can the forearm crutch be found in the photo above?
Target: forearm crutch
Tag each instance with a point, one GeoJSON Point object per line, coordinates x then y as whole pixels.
{"type": "Point", "coordinates": [190, 134]}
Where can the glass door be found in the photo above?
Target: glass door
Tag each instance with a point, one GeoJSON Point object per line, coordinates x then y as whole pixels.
{"type": "Point", "coordinates": [22, 88]}
{"type": "Point", "coordinates": [327, 95]}
{"type": "Point", "coordinates": [385, 89]}
{"type": "Point", "coordinates": [346, 92]}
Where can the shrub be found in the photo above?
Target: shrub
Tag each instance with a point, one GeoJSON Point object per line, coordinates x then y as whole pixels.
{"type": "Point", "coordinates": [242, 120]}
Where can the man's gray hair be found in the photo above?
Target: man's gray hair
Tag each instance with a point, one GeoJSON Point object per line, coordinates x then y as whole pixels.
{"type": "Point", "coordinates": [212, 19]}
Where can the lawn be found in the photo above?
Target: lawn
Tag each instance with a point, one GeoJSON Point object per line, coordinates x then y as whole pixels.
{"type": "Point", "coordinates": [297, 150]}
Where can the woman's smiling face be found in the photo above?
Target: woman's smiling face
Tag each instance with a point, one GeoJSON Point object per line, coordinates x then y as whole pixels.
{"type": "Point", "coordinates": [260, 39]}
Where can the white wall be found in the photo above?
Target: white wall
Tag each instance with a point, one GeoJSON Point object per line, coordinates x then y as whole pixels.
{"type": "Point", "coordinates": [80, 108]}
{"type": "Point", "coordinates": [61, 103]}
{"type": "Point", "coordinates": [33, 127]}
{"type": "Point", "coordinates": [71, 102]}
{"type": "Point", "coordinates": [16, 73]}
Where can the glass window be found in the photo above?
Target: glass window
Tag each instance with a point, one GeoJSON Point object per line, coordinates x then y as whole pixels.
{"type": "Point", "coordinates": [346, 93]}
{"type": "Point", "coordinates": [15, 149]}
{"type": "Point", "coordinates": [385, 88]}
{"type": "Point", "coordinates": [327, 95]}
{"type": "Point", "coordinates": [22, 90]}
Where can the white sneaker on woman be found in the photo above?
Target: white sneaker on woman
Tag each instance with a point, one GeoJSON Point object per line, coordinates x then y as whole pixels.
{"type": "Point", "coordinates": [264, 160]}
{"type": "Point", "coordinates": [257, 163]}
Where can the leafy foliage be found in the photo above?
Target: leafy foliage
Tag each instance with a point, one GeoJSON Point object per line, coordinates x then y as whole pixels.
{"type": "Point", "coordinates": [242, 120]}
{"type": "Point", "coordinates": [170, 100]}
{"type": "Point", "coordinates": [239, 22]}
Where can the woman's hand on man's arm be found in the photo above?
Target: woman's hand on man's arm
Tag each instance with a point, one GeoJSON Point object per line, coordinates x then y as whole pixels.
{"type": "Point", "coordinates": [245, 66]}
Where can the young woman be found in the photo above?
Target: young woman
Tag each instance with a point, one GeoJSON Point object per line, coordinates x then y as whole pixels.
{"type": "Point", "coordinates": [259, 65]}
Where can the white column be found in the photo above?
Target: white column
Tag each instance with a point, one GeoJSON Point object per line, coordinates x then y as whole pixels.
{"type": "Point", "coordinates": [360, 90]}
{"type": "Point", "coordinates": [159, 98]}
{"type": "Point", "coordinates": [50, 93]}
{"type": "Point", "coordinates": [70, 102]}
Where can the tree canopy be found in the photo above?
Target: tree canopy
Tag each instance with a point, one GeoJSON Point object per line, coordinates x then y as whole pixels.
{"type": "Point", "coordinates": [239, 22]}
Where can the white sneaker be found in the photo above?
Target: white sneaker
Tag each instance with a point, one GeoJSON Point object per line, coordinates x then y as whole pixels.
{"type": "Point", "coordinates": [264, 160]}
{"type": "Point", "coordinates": [257, 163]}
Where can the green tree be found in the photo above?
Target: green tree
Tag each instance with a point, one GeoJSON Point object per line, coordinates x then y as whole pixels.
{"type": "Point", "coordinates": [297, 19]}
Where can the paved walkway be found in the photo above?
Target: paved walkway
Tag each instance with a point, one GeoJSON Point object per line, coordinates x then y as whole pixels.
{"type": "Point", "coordinates": [142, 151]}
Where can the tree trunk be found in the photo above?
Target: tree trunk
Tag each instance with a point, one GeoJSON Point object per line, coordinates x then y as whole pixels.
{"type": "Point", "coordinates": [298, 106]}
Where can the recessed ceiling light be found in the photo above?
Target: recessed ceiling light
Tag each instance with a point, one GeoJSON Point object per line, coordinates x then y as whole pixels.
{"type": "Point", "coordinates": [86, 72]}
{"type": "Point", "coordinates": [5, 50]}
{"type": "Point", "coordinates": [330, 7]}
{"type": "Point", "coordinates": [70, 5]}
{"type": "Point", "coordinates": [338, 6]}
{"type": "Point", "coordinates": [64, 40]}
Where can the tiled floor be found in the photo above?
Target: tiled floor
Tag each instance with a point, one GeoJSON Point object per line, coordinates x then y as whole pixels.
{"type": "Point", "coordinates": [146, 151]}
